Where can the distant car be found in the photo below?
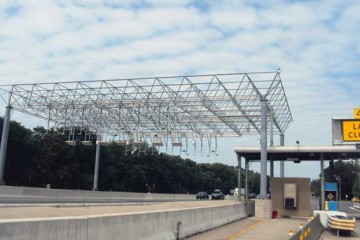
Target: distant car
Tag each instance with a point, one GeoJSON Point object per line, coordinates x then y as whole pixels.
{"type": "Point", "coordinates": [217, 195]}
{"type": "Point", "coordinates": [252, 195]}
{"type": "Point", "coordinates": [202, 195]}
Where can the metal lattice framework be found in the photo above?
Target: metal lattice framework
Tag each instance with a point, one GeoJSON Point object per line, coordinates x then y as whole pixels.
{"type": "Point", "coordinates": [137, 109]}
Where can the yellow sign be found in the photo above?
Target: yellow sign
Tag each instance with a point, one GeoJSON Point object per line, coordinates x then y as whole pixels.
{"type": "Point", "coordinates": [356, 112]}
{"type": "Point", "coordinates": [330, 196]}
{"type": "Point", "coordinates": [351, 130]}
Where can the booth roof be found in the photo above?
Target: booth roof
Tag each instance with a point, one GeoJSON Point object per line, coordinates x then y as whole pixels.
{"type": "Point", "coordinates": [294, 153]}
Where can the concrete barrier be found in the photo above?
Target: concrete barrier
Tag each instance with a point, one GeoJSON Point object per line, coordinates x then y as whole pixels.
{"type": "Point", "coordinates": [83, 195]}
{"type": "Point", "coordinates": [157, 225]}
{"type": "Point", "coordinates": [311, 231]}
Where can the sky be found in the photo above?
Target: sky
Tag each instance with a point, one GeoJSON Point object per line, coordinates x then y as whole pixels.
{"type": "Point", "coordinates": [314, 43]}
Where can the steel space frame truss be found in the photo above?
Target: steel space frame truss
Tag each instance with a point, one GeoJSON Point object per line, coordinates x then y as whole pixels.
{"type": "Point", "coordinates": [159, 108]}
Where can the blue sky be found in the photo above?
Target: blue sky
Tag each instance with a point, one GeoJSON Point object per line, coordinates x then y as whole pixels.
{"type": "Point", "coordinates": [315, 43]}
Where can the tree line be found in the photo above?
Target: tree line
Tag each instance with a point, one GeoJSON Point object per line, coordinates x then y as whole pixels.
{"type": "Point", "coordinates": [341, 172]}
{"type": "Point", "coordinates": [36, 157]}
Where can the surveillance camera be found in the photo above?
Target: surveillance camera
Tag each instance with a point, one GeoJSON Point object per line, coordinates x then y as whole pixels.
{"type": "Point", "coordinates": [297, 141]}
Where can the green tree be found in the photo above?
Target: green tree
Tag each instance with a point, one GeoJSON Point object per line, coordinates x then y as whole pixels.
{"type": "Point", "coordinates": [315, 187]}
{"type": "Point", "coordinates": [38, 157]}
{"type": "Point", "coordinates": [19, 155]}
{"type": "Point", "coordinates": [52, 161]}
{"type": "Point", "coordinates": [254, 182]}
{"type": "Point", "coordinates": [344, 172]}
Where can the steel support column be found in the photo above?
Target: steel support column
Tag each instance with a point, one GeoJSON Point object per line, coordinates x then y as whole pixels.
{"type": "Point", "coordinates": [239, 177]}
{"type": "Point", "coordinates": [282, 163]}
{"type": "Point", "coordinates": [96, 170]}
{"type": "Point", "coordinates": [271, 142]}
{"type": "Point", "coordinates": [322, 182]}
{"type": "Point", "coordinates": [4, 141]}
{"type": "Point", "coordinates": [271, 128]}
{"type": "Point", "coordinates": [247, 179]}
{"type": "Point", "coordinates": [339, 189]}
{"type": "Point", "coordinates": [263, 131]}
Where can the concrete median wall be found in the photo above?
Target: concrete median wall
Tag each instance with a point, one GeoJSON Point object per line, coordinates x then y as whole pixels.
{"type": "Point", "coordinates": [150, 225]}
{"type": "Point", "coordinates": [58, 194]}
{"type": "Point", "coordinates": [311, 231]}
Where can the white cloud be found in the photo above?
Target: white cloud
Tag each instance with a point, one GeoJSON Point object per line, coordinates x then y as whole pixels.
{"type": "Point", "coordinates": [234, 20]}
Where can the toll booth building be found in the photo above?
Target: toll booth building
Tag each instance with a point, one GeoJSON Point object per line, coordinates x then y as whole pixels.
{"type": "Point", "coordinates": [291, 196]}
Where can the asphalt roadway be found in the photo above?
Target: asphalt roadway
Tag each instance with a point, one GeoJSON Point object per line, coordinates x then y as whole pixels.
{"type": "Point", "coordinates": [274, 229]}
{"type": "Point", "coordinates": [51, 212]}
{"type": "Point", "coordinates": [254, 229]}
{"type": "Point", "coordinates": [249, 228]}
{"type": "Point", "coordinates": [28, 201]}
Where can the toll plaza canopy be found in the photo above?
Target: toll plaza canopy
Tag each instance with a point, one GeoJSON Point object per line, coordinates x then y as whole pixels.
{"type": "Point", "coordinates": [303, 153]}
{"type": "Point", "coordinates": [169, 107]}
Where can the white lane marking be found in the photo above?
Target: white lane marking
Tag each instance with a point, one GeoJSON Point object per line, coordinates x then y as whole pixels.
{"type": "Point", "coordinates": [354, 209]}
